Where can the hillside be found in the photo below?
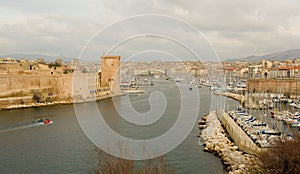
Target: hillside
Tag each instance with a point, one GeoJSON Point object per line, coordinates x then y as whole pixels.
{"type": "Point", "coordinates": [283, 55]}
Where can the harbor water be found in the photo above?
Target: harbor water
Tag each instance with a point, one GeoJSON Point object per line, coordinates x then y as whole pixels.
{"type": "Point", "coordinates": [62, 147]}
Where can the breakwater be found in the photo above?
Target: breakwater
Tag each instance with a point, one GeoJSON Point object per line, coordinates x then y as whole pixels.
{"type": "Point", "coordinates": [218, 142]}
{"type": "Point", "coordinates": [238, 97]}
{"type": "Point", "coordinates": [238, 135]}
{"type": "Point", "coordinates": [245, 101]}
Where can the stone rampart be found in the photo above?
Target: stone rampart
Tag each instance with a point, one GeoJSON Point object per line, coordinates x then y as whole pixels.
{"type": "Point", "coordinates": [26, 89]}
{"type": "Point", "coordinates": [288, 87]}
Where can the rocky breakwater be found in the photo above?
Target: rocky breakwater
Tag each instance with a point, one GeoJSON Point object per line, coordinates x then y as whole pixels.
{"type": "Point", "coordinates": [216, 142]}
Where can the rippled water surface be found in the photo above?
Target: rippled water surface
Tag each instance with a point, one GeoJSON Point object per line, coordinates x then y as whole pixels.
{"type": "Point", "coordinates": [62, 147]}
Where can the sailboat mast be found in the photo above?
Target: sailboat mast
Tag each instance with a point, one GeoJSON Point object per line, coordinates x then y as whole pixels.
{"type": "Point", "coordinates": [296, 89]}
{"type": "Point", "coordinates": [130, 75]}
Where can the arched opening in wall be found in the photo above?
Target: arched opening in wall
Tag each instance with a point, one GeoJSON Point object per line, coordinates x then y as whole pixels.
{"type": "Point", "coordinates": [266, 75]}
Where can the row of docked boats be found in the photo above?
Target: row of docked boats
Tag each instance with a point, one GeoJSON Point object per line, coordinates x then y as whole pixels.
{"type": "Point", "coordinates": [260, 132]}
{"type": "Point", "coordinates": [295, 105]}
{"type": "Point", "coordinates": [291, 119]}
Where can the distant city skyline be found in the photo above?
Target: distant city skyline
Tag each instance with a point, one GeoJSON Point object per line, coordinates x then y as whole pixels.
{"type": "Point", "coordinates": [235, 29]}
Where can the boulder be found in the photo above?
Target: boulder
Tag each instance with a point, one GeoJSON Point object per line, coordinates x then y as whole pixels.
{"type": "Point", "coordinates": [206, 149]}
{"type": "Point", "coordinates": [234, 167]}
{"type": "Point", "coordinates": [226, 159]}
{"type": "Point", "coordinates": [202, 127]}
{"type": "Point", "coordinates": [202, 122]}
{"type": "Point", "coordinates": [242, 166]}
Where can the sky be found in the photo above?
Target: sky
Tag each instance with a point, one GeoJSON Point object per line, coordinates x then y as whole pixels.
{"type": "Point", "coordinates": [149, 29]}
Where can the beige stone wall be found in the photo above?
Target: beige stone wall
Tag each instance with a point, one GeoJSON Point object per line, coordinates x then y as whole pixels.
{"type": "Point", "coordinates": [110, 73]}
{"type": "Point", "coordinates": [23, 68]}
{"type": "Point", "coordinates": [26, 85]}
{"type": "Point", "coordinates": [289, 87]}
{"type": "Point", "coordinates": [17, 88]}
{"type": "Point", "coordinates": [7, 102]}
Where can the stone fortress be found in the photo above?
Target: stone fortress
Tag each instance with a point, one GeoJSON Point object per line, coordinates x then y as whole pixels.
{"type": "Point", "coordinates": [24, 83]}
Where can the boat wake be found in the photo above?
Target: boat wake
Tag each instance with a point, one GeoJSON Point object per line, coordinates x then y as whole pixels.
{"type": "Point", "coordinates": [24, 126]}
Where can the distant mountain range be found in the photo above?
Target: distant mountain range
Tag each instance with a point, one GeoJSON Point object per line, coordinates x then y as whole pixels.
{"type": "Point", "coordinates": [36, 56]}
{"type": "Point", "coordinates": [283, 55]}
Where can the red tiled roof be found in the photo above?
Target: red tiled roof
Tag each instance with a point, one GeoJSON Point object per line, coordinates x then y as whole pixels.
{"type": "Point", "coordinates": [296, 67]}
{"type": "Point", "coordinates": [284, 68]}
{"type": "Point", "coordinates": [288, 67]}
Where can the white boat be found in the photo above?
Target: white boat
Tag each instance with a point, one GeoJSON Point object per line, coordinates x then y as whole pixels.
{"type": "Point", "coordinates": [297, 106]}
{"type": "Point", "coordinates": [134, 91]}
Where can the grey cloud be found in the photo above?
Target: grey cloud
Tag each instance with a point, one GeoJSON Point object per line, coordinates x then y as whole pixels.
{"type": "Point", "coordinates": [235, 28]}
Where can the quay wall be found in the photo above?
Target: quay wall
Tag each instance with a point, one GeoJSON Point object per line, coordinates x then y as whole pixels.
{"type": "Point", "coordinates": [21, 89]}
{"type": "Point", "coordinates": [24, 85]}
{"type": "Point", "coordinates": [241, 139]}
{"type": "Point", "coordinates": [289, 87]}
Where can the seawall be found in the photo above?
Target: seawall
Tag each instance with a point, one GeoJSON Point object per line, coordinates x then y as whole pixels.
{"type": "Point", "coordinates": [240, 138]}
{"type": "Point", "coordinates": [216, 141]}
{"type": "Point", "coordinates": [14, 103]}
{"type": "Point", "coordinates": [23, 91]}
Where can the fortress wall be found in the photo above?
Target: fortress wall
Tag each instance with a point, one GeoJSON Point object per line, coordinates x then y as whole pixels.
{"type": "Point", "coordinates": [25, 85]}
{"type": "Point", "coordinates": [289, 87]}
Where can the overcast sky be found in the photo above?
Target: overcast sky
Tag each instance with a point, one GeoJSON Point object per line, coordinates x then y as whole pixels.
{"type": "Point", "coordinates": [231, 28]}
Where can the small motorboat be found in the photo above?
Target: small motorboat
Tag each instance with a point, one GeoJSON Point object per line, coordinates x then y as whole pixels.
{"type": "Point", "coordinates": [43, 121]}
{"type": "Point", "coordinates": [47, 121]}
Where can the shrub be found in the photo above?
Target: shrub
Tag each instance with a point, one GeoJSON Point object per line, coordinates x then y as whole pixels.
{"type": "Point", "coordinates": [108, 164]}
{"type": "Point", "coordinates": [283, 158]}
{"type": "Point", "coordinates": [37, 96]}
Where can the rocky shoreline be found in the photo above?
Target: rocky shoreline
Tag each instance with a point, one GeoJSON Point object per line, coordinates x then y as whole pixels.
{"type": "Point", "coordinates": [217, 142]}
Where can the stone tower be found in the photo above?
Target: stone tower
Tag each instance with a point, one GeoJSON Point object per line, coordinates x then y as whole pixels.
{"type": "Point", "coordinates": [110, 73]}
